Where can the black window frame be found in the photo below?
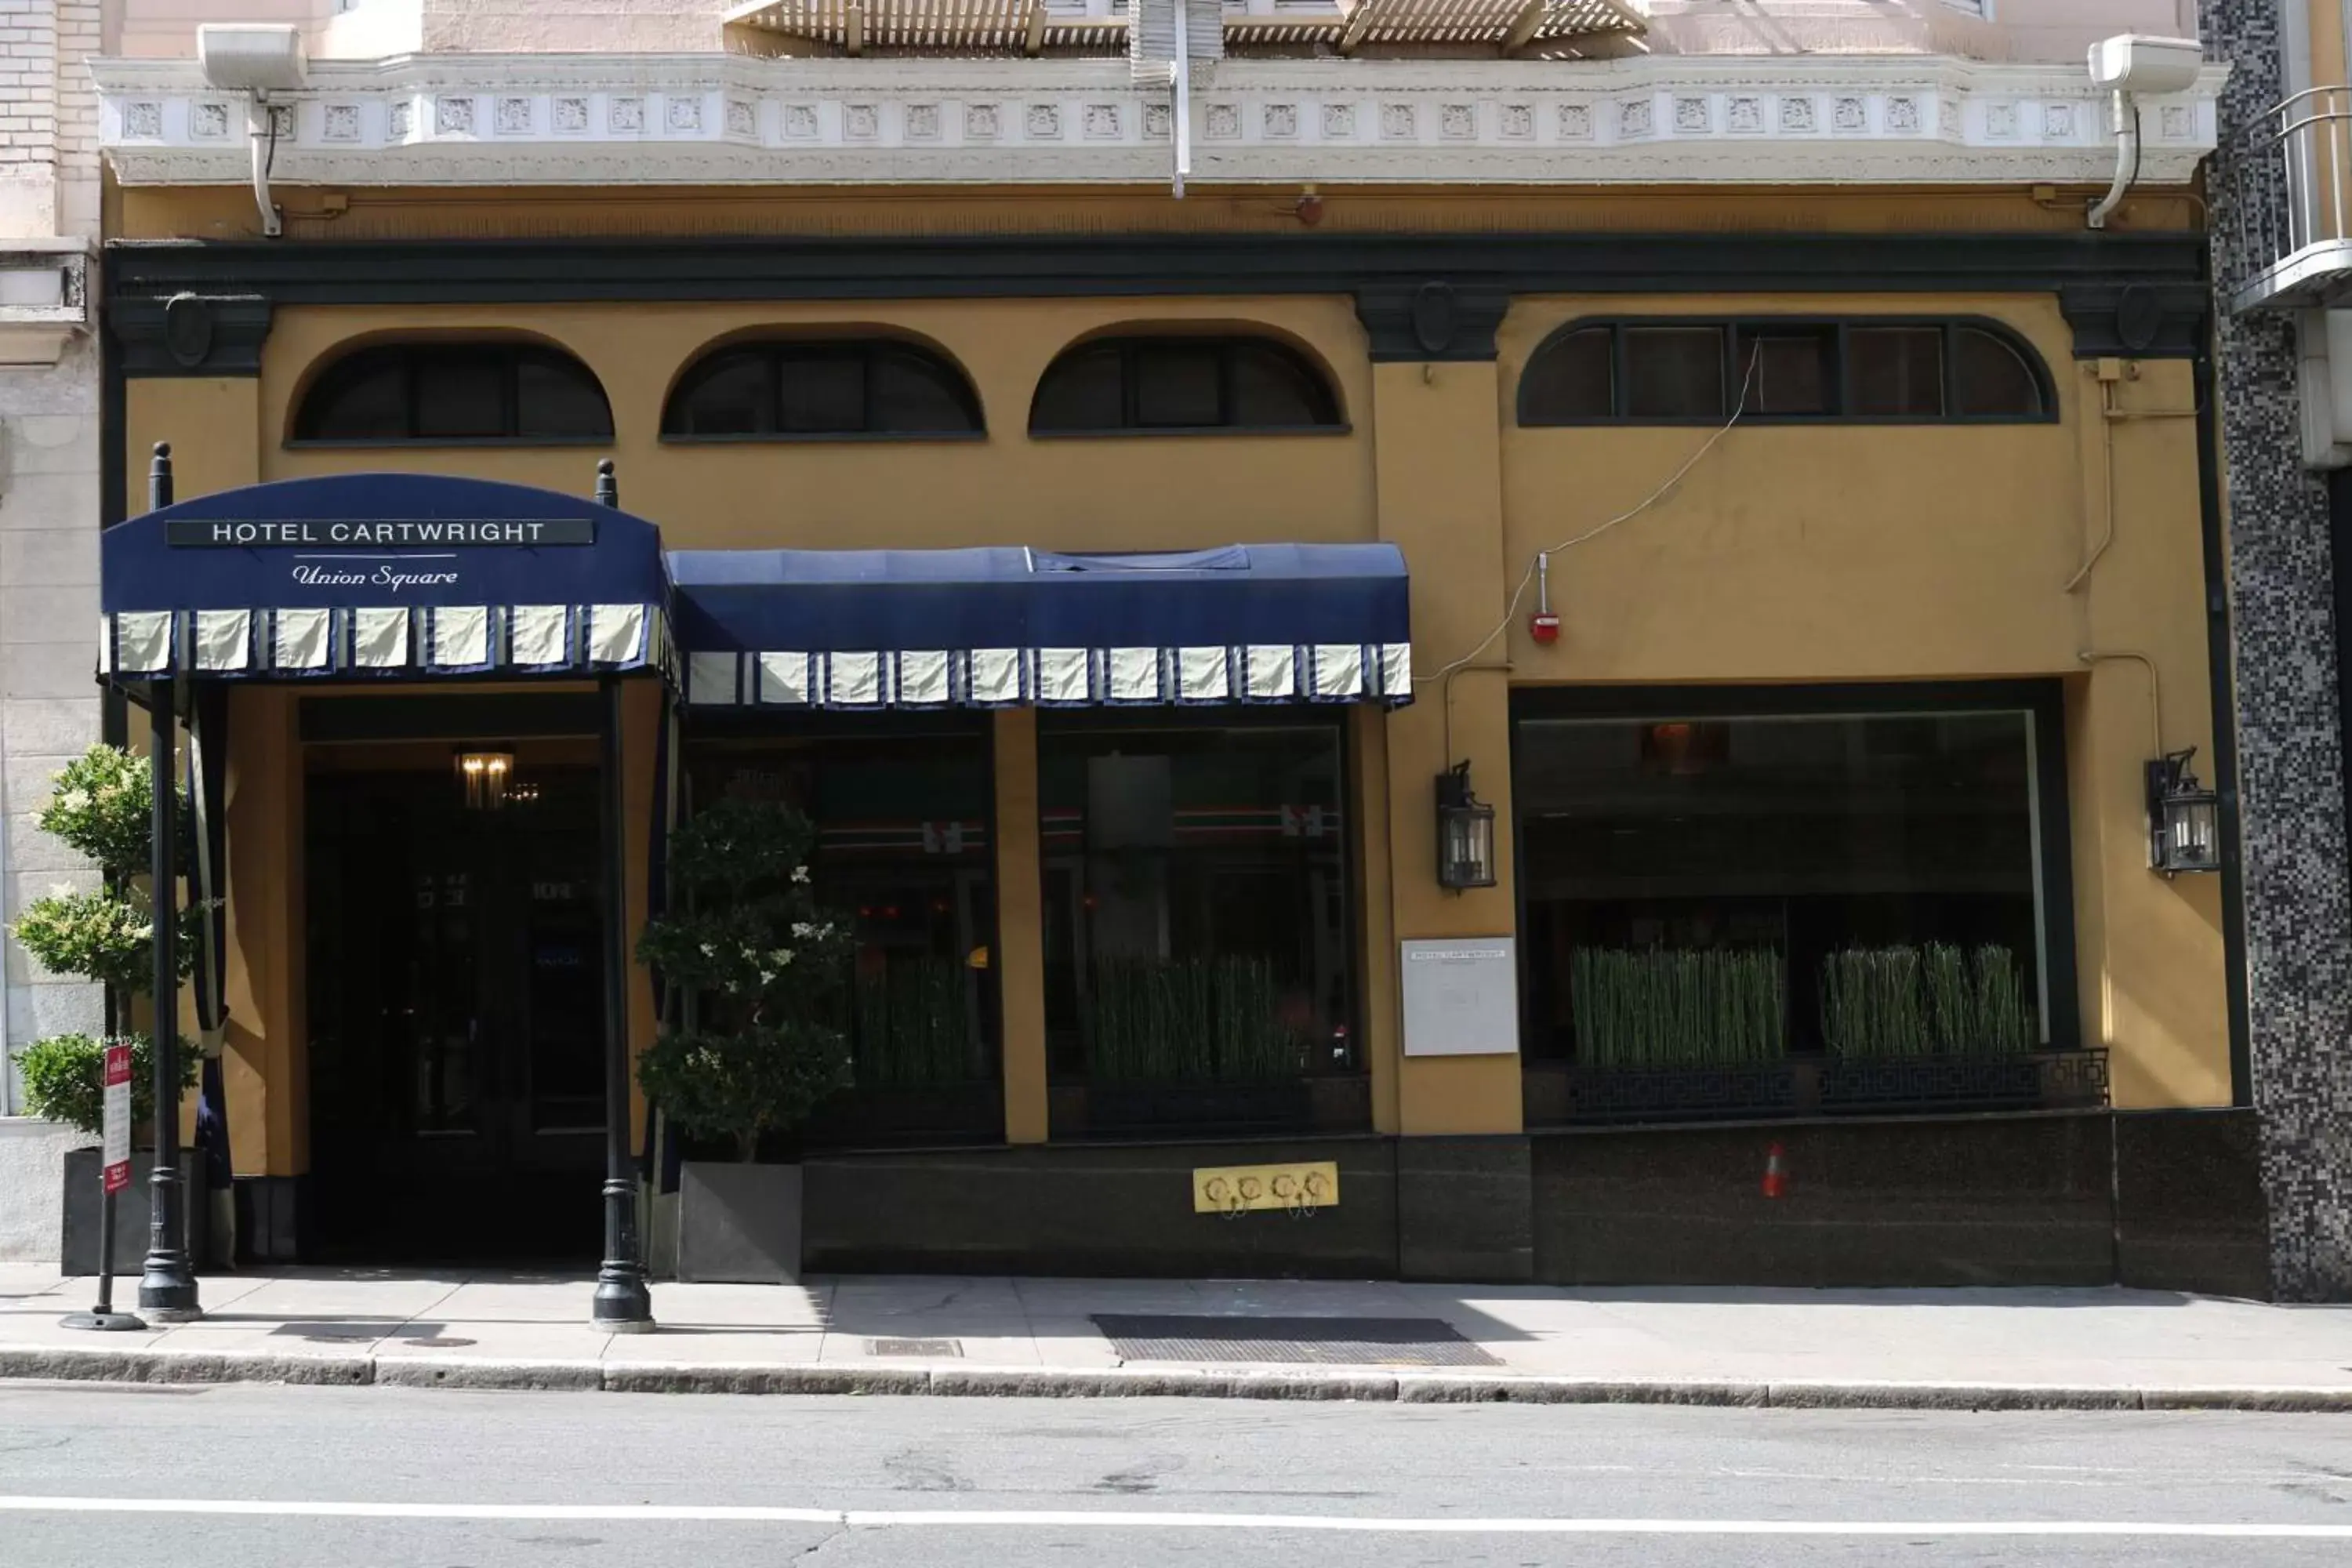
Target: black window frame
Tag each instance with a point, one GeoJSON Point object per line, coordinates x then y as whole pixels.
{"type": "Point", "coordinates": [779, 351]}
{"type": "Point", "coordinates": [404, 357]}
{"type": "Point", "coordinates": [1128, 346]}
{"type": "Point", "coordinates": [2041, 700]}
{"type": "Point", "coordinates": [1353, 871]}
{"type": "Point", "coordinates": [1735, 329]}
{"type": "Point", "coordinates": [884, 1118]}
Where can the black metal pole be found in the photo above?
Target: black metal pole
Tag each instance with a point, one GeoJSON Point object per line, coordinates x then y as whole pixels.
{"type": "Point", "coordinates": [167, 1292]}
{"type": "Point", "coordinates": [624, 1303]}
{"type": "Point", "coordinates": [105, 1308]}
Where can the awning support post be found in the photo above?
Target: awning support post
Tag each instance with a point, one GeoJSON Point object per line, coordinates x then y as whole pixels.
{"type": "Point", "coordinates": [623, 1304]}
{"type": "Point", "coordinates": [167, 1290]}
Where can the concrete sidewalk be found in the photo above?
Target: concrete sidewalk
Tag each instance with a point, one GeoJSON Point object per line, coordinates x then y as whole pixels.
{"type": "Point", "coordinates": [1943, 1348]}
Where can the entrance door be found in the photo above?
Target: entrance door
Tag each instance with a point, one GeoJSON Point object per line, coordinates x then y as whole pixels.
{"type": "Point", "coordinates": [457, 1018]}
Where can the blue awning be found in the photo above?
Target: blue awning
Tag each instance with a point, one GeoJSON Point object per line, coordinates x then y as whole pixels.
{"type": "Point", "coordinates": [1006, 627]}
{"type": "Point", "coordinates": [379, 576]}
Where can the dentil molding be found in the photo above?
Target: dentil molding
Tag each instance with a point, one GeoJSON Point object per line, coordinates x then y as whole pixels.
{"type": "Point", "coordinates": [494, 120]}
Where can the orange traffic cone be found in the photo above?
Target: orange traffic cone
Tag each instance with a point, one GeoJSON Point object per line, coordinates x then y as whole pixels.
{"type": "Point", "coordinates": [1776, 1171]}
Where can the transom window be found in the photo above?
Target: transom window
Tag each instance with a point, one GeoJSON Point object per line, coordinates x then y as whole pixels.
{"type": "Point", "coordinates": [827, 390]}
{"type": "Point", "coordinates": [454, 392]}
{"type": "Point", "coordinates": [1677, 370]}
{"type": "Point", "coordinates": [1171, 385]}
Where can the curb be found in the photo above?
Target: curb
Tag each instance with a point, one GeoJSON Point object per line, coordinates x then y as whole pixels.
{"type": "Point", "coordinates": [1368, 1385]}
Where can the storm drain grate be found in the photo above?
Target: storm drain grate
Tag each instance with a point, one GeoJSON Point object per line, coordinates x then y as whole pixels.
{"type": "Point", "coordinates": [1320, 1342]}
{"type": "Point", "coordinates": [913, 1347]}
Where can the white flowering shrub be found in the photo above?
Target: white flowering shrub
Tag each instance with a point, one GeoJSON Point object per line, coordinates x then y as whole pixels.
{"type": "Point", "coordinates": [103, 936]}
{"type": "Point", "coordinates": [763, 963]}
{"type": "Point", "coordinates": [101, 807]}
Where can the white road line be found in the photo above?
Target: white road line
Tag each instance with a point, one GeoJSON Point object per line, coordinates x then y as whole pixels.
{"type": "Point", "coordinates": [1075, 1519]}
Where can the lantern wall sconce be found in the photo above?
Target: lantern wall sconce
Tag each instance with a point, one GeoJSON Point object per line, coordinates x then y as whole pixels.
{"type": "Point", "coordinates": [2184, 817]}
{"type": "Point", "coordinates": [485, 776]}
{"type": "Point", "coordinates": [1465, 833]}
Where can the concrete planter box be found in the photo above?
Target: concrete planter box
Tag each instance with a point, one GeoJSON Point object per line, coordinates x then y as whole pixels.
{"type": "Point", "coordinates": [84, 1196]}
{"type": "Point", "coordinates": [738, 1224]}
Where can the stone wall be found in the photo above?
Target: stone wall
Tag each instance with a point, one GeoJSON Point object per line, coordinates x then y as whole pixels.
{"type": "Point", "coordinates": [2298, 885]}
{"type": "Point", "coordinates": [48, 552]}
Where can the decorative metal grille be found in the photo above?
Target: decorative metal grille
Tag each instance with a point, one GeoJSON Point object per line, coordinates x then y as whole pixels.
{"type": "Point", "coordinates": [1324, 1341]}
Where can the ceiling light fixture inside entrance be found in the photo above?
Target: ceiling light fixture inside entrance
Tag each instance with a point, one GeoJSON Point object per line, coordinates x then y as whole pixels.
{"type": "Point", "coordinates": [486, 776]}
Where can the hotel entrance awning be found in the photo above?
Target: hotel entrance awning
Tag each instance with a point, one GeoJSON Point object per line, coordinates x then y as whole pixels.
{"type": "Point", "coordinates": [381, 575]}
{"type": "Point", "coordinates": [1007, 627]}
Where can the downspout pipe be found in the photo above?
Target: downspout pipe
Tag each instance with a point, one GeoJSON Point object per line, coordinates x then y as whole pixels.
{"type": "Point", "coordinates": [262, 134]}
{"type": "Point", "coordinates": [1180, 104]}
{"type": "Point", "coordinates": [2124, 116]}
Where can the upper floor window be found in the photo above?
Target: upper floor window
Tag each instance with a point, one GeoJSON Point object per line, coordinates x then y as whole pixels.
{"type": "Point", "coordinates": [1674, 370]}
{"type": "Point", "coordinates": [454, 392]}
{"type": "Point", "coordinates": [822, 390]}
{"type": "Point", "coordinates": [1170, 384]}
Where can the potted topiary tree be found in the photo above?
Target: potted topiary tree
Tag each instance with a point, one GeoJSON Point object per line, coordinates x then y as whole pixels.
{"type": "Point", "coordinates": [752, 1047]}
{"type": "Point", "coordinates": [101, 808]}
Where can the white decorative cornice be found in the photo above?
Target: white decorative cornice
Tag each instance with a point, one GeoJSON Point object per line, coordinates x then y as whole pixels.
{"type": "Point", "coordinates": [497, 119]}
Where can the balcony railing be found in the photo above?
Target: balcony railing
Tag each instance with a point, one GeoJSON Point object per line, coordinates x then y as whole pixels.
{"type": "Point", "coordinates": [2289, 206]}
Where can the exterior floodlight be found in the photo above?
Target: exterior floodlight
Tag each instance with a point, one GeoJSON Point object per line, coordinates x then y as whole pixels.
{"type": "Point", "coordinates": [2135, 64]}
{"type": "Point", "coordinates": [2129, 67]}
{"type": "Point", "coordinates": [255, 60]}
{"type": "Point", "coordinates": [247, 57]}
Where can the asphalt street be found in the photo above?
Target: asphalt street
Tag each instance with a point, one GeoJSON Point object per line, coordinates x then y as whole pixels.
{"type": "Point", "coordinates": [252, 1476]}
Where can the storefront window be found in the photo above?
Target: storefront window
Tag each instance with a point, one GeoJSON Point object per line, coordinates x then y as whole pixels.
{"type": "Point", "coordinates": [904, 848]}
{"type": "Point", "coordinates": [1198, 924]}
{"type": "Point", "coordinates": [1714, 888]}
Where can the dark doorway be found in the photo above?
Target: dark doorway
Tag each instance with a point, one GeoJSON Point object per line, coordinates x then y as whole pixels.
{"type": "Point", "coordinates": [456, 1004]}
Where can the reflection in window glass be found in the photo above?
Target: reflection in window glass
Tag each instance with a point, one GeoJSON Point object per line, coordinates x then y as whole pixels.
{"type": "Point", "coordinates": [1176, 385]}
{"type": "Point", "coordinates": [821, 391]}
{"type": "Point", "coordinates": [1082, 391]}
{"type": "Point", "coordinates": [1780, 868]}
{"type": "Point", "coordinates": [913, 392]}
{"type": "Point", "coordinates": [1168, 383]}
{"type": "Point", "coordinates": [460, 395]}
{"type": "Point", "coordinates": [850, 388]}
{"type": "Point", "coordinates": [454, 392]}
{"type": "Point", "coordinates": [1788, 370]}
{"type": "Point", "coordinates": [733, 395]}
{"type": "Point", "coordinates": [1273, 388]}
{"type": "Point", "coordinates": [1673, 373]}
{"type": "Point", "coordinates": [368, 407]}
{"type": "Point", "coordinates": [1892, 371]}
{"type": "Point", "coordinates": [1197, 908]}
{"type": "Point", "coordinates": [1992, 378]}
{"type": "Point", "coordinates": [1571, 379]}
{"type": "Point", "coordinates": [903, 847]}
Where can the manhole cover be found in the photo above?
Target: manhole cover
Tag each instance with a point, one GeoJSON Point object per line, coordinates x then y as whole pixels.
{"type": "Point", "coordinates": [1323, 1341]}
{"type": "Point", "coordinates": [913, 1347]}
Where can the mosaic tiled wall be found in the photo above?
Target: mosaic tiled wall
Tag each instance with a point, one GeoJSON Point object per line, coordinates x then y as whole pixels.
{"type": "Point", "coordinates": [2290, 756]}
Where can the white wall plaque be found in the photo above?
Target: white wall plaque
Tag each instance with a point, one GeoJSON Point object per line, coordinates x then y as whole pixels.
{"type": "Point", "coordinates": [1461, 997]}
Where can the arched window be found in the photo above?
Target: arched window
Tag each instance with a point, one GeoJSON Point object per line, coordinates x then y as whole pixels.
{"type": "Point", "coordinates": [825, 389]}
{"type": "Point", "coordinates": [1168, 385]}
{"type": "Point", "coordinates": [1868, 369]}
{"type": "Point", "coordinates": [454, 392]}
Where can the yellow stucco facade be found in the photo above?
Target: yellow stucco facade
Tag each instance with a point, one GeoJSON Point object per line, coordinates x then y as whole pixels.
{"type": "Point", "coordinates": [1834, 553]}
